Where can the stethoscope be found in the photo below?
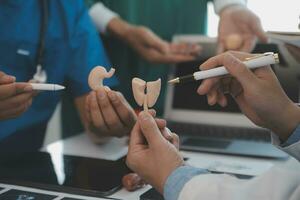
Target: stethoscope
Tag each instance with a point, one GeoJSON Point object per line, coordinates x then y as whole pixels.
{"type": "Point", "coordinates": [40, 74]}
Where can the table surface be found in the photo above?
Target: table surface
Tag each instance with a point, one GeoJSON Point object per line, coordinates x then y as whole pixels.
{"type": "Point", "coordinates": [117, 148]}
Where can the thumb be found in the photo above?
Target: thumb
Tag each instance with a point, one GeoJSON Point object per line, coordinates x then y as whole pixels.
{"type": "Point", "coordinates": [149, 128]}
{"type": "Point", "coordinates": [238, 70]}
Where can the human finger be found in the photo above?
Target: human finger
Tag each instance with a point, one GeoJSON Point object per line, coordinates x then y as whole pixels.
{"type": "Point", "coordinates": [161, 123]}
{"type": "Point", "coordinates": [136, 136]}
{"type": "Point", "coordinates": [109, 114]}
{"type": "Point", "coordinates": [5, 78]}
{"type": "Point", "coordinates": [12, 89]}
{"type": "Point", "coordinates": [256, 27]}
{"type": "Point", "coordinates": [222, 99]}
{"type": "Point", "coordinates": [175, 140]}
{"type": "Point", "coordinates": [14, 112]}
{"type": "Point", "coordinates": [15, 101]}
{"type": "Point", "coordinates": [207, 85]}
{"type": "Point", "coordinates": [238, 70]}
{"type": "Point", "coordinates": [149, 128]}
{"type": "Point", "coordinates": [96, 115]}
{"type": "Point", "coordinates": [87, 108]}
{"type": "Point", "coordinates": [122, 108]}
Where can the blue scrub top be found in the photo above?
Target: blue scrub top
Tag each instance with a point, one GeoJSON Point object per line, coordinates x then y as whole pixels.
{"type": "Point", "coordinates": [72, 49]}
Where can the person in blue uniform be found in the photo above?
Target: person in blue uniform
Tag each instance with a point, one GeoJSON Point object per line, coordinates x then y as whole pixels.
{"type": "Point", "coordinates": [59, 36]}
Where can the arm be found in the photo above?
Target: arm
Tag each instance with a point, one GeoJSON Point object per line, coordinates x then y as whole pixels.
{"type": "Point", "coordinates": [146, 43]}
{"type": "Point", "coordinates": [258, 94]}
{"type": "Point", "coordinates": [101, 16]}
{"type": "Point", "coordinates": [277, 183]}
{"type": "Point", "coordinates": [161, 165]}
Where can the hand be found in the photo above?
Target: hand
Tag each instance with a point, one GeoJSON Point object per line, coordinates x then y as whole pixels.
{"type": "Point", "coordinates": [108, 114]}
{"type": "Point", "coordinates": [15, 98]}
{"type": "Point", "coordinates": [240, 22]}
{"type": "Point", "coordinates": [150, 155]}
{"type": "Point", "coordinates": [150, 46]}
{"type": "Point", "coordinates": [258, 93]}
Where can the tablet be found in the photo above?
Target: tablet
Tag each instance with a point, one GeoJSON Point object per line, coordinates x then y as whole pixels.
{"type": "Point", "coordinates": [63, 173]}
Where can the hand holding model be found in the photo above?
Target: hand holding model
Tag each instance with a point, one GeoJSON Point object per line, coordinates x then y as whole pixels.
{"type": "Point", "coordinates": [150, 155]}
{"type": "Point", "coordinates": [107, 111]}
{"type": "Point", "coordinates": [258, 93]}
{"type": "Point", "coordinates": [150, 46]}
{"type": "Point", "coordinates": [15, 98]}
{"type": "Point", "coordinates": [238, 29]}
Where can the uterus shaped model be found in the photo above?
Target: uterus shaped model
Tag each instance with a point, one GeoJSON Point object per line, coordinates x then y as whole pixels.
{"type": "Point", "coordinates": [97, 75]}
{"type": "Point", "coordinates": [146, 93]}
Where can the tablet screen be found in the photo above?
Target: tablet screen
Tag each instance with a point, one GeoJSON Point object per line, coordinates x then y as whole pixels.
{"type": "Point", "coordinates": [71, 174]}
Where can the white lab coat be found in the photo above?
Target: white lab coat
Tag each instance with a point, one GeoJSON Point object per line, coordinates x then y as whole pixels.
{"type": "Point", "coordinates": [279, 183]}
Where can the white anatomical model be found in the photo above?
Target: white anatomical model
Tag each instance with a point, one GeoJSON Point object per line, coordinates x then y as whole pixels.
{"type": "Point", "coordinates": [97, 75]}
{"type": "Point", "coordinates": [146, 93]}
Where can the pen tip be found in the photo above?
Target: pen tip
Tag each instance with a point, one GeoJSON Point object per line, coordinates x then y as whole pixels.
{"type": "Point", "coordinates": [60, 87]}
{"type": "Point", "coordinates": [173, 81]}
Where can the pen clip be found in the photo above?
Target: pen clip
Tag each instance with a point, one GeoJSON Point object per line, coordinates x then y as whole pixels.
{"type": "Point", "coordinates": [260, 55]}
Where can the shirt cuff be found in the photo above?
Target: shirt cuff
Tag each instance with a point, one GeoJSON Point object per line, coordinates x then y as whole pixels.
{"type": "Point", "coordinates": [292, 139]}
{"type": "Point", "coordinates": [178, 178]}
{"type": "Point", "coordinates": [292, 147]}
{"type": "Point", "coordinates": [101, 16]}
{"type": "Point", "coordinates": [220, 4]}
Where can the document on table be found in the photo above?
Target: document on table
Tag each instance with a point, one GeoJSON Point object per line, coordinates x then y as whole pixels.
{"type": "Point", "coordinates": [8, 191]}
{"type": "Point", "coordinates": [229, 164]}
{"type": "Point", "coordinates": [81, 145]}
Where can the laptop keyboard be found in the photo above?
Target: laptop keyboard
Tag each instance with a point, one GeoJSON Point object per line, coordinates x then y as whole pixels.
{"type": "Point", "coordinates": [222, 132]}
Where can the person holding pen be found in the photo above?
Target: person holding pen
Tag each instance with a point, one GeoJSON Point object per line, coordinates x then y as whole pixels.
{"type": "Point", "coordinates": [63, 44]}
{"type": "Point", "coordinates": [261, 98]}
{"type": "Point", "coordinates": [60, 46]}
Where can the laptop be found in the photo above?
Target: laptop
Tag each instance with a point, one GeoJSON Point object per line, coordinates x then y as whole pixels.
{"type": "Point", "coordinates": [212, 128]}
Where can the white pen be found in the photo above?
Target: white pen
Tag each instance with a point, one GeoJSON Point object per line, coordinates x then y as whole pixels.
{"type": "Point", "coordinates": [261, 60]}
{"type": "Point", "coordinates": [46, 86]}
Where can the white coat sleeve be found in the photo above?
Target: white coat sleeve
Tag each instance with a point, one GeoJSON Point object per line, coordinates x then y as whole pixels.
{"type": "Point", "coordinates": [279, 183]}
{"type": "Point", "coordinates": [101, 16]}
{"type": "Point", "coordinates": [220, 4]}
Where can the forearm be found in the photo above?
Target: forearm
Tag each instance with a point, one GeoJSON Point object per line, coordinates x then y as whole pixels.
{"type": "Point", "coordinates": [118, 28]}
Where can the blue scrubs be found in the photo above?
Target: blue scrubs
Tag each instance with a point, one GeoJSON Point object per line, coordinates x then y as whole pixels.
{"type": "Point", "coordinates": [72, 49]}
